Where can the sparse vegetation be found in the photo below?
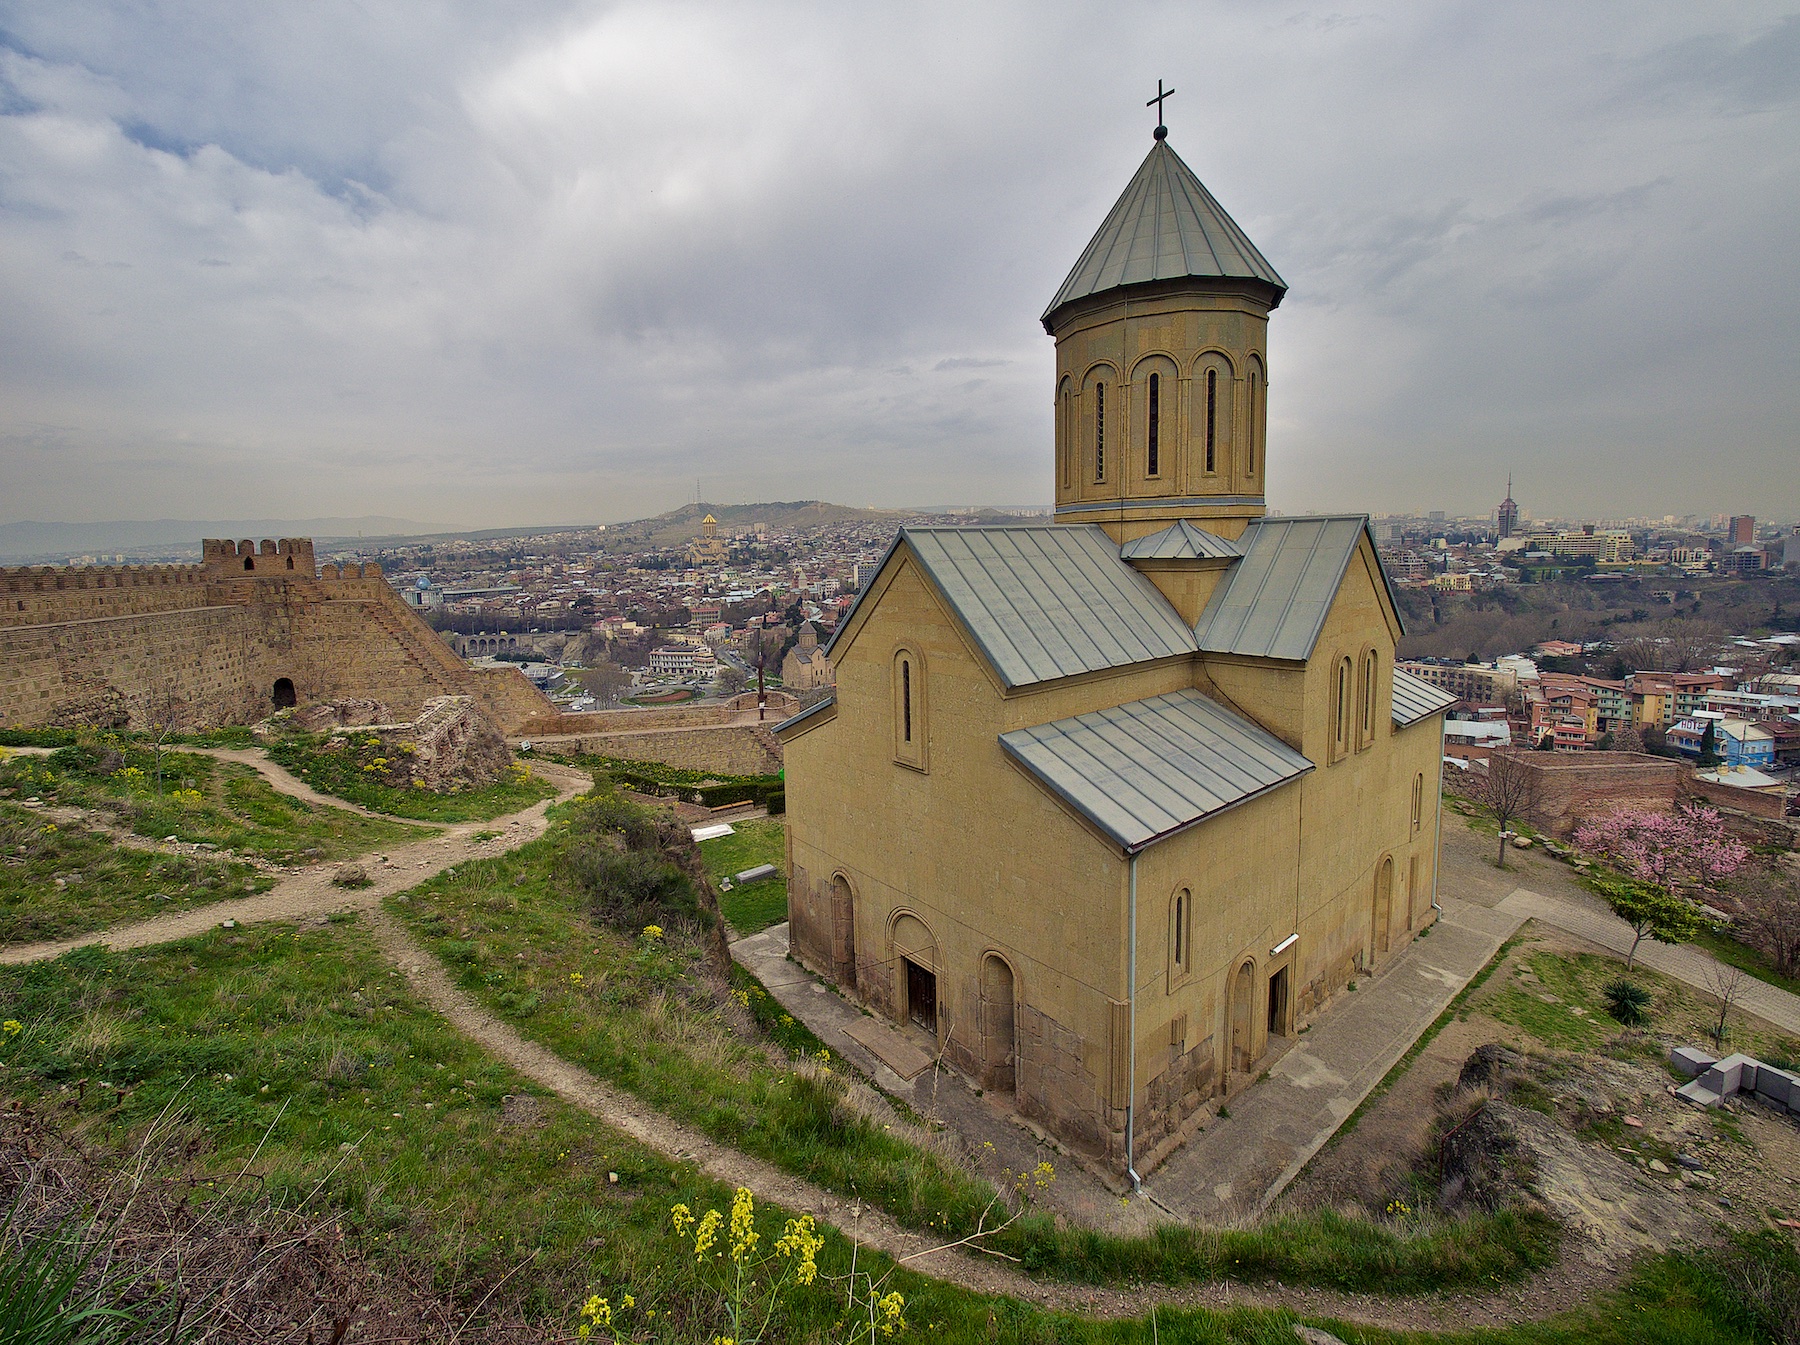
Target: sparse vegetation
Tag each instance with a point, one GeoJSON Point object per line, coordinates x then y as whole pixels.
{"type": "Point", "coordinates": [353, 772]}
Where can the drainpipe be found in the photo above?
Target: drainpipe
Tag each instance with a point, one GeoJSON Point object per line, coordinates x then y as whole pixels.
{"type": "Point", "coordinates": [1437, 846]}
{"type": "Point", "coordinates": [1137, 1182]}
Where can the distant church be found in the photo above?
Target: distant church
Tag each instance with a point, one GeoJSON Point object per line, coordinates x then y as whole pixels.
{"type": "Point", "coordinates": [1103, 805]}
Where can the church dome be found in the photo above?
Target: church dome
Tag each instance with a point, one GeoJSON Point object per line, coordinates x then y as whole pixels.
{"type": "Point", "coordinates": [1166, 226]}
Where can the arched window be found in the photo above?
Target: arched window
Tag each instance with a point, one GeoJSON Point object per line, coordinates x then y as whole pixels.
{"type": "Point", "coordinates": [1064, 433]}
{"type": "Point", "coordinates": [1418, 801]}
{"type": "Point", "coordinates": [1255, 426]}
{"type": "Point", "coordinates": [1099, 431]}
{"type": "Point", "coordinates": [1212, 420]}
{"type": "Point", "coordinates": [1181, 920]}
{"type": "Point", "coordinates": [1341, 711]}
{"type": "Point", "coordinates": [249, 563]}
{"type": "Point", "coordinates": [1153, 427]}
{"type": "Point", "coordinates": [1365, 714]}
{"type": "Point", "coordinates": [909, 709]}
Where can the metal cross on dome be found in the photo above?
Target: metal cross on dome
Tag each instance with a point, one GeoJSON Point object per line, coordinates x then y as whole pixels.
{"type": "Point", "coordinates": [1161, 131]}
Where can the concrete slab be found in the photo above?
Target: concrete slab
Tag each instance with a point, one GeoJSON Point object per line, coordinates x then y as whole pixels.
{"type": "Point", "coordinates": [894, 1050]}
{"type": "Point", "coordinates": [1691, 1060]}
{"type": "Point", "coordinates": [1697, 1093]}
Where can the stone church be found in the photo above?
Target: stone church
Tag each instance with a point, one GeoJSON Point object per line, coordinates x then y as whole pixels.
{"type": "Point", "coordinates": [1105, 806]}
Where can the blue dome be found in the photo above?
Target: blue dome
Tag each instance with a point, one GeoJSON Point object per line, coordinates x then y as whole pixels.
{"type": "Point", "coordinates": [424, 581]}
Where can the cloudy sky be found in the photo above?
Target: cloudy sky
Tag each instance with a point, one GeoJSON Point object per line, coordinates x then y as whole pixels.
{"type": "Point", "coordinates": [479, 264]}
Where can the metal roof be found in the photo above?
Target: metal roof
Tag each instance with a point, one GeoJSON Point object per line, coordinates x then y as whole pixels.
{"type": "Point", "coordinates": [1181, 540]}
{"type": "Point", "coordinates": [1044, 601]}
{"type": "Point", "coordinates": [1273, 602]}
{"type": "Point", "coordinates": [1416, 699]}
{"type": "Point", "coordinates": [1142, 771]}
{"type": "Point", "coordinates": [1166, 226]}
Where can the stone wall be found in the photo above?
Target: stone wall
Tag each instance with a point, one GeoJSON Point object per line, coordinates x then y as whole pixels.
{"type": "Point", "coordinates": [1750, 801]}
{"type": "Point", "coordinates": [1577, 785]}
{"type": "Point", "coordinates": [729, 749]}
{"type": "Point", "coordinates": [109, 646]}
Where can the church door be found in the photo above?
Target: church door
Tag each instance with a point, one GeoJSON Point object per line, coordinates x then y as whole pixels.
{"type": "Point", "coordinates": [1384, 904]}
{"type": "Point", "coordinates": [1243, 992]}
{"type": "Point", "coordinates": [921, 996]}
{"type": "Point", "coordinates": [998, 1028]}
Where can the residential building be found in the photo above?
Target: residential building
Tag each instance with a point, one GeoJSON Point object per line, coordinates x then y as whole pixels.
{"type": "Point", "coordinates": [1477, 683]}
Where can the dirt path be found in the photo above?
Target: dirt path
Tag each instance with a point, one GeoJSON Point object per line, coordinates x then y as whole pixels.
{"type": "Point", "coordinates": [284, 781]}
{"type": "Point", "coordinates": [310, 892]}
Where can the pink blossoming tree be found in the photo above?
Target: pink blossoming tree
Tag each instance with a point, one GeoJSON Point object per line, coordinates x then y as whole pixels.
{"type": "Point", "coordinates": [1671, 855]}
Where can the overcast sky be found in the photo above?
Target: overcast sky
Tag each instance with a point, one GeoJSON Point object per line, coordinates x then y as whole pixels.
{"type": "Point", "coordinates": [481, 265]}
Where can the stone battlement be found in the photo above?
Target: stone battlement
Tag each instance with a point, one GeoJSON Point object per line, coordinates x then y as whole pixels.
{"type": "Point", "coordinates": [250, 629]}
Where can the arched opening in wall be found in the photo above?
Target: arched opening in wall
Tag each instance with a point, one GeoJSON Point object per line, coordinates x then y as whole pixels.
{"type": "Point", "coordinates": [915, 955]}
{"type": "Point", "coordinates": [999, 1024]}
{"type": "Point", "coordinates": [249, 562]}
{"type": "Point", "coordinates": [283, 695]}
{"type": "Point", "coordinates": [1243, 995]}
{"type": "Point", "coordinates": [843, 932]}
{"type": "Point", "coordinates": [1383, 914]}
{"type": "Point", "coordinates": [1278, 1003]}
{"type": "Point", "coordinates": [290, 562]}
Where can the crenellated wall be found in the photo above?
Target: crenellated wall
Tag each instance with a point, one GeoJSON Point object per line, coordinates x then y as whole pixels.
{"type": "Point", "coordinates": [224, 640]}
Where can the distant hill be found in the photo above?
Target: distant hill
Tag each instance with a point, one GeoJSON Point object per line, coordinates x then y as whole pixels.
{"type": "Point", "coordinates": [30, 541]}
{"type": "Point", "coordinates": [683, 524]}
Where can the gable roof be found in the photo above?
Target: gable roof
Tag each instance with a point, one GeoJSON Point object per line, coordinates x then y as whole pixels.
{"type": "Point", "coordinates": [1273, 603]}
{"type": "Point", "coordinates": [1043, 601]}
{"type": "Point", "coordinates": [1143, 771]}
{"type": "Point", "coordinates": [1416, 699]}
{"type": "Point", "coordinates": [1166, 226]}
{"type": "Point", "coordinates": [1181, 540]}
{"type": "Point", "coordinates": [795, 721]}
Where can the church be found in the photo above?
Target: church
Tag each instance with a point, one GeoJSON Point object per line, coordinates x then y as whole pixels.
{"type": "Point", "coordinates": [1105, 806]}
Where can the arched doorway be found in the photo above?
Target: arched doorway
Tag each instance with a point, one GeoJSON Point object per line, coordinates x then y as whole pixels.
{"type": "Point", "coordinates": [1243, 995]}
{"type": "Point", "coordinates": [1383, 914]}
{"type": "Point", "coordinates": [915, 958]}
{"type": "Point", "coordinates": [999, 1028]}
{"type": "Point", "coordinates": [283, 695]}
{"type": "Point", "coordinates": [843, 932]}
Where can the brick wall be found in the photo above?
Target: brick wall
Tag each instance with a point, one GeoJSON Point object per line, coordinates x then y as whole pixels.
{"type": "Point", "coordinates": [1575, 786]}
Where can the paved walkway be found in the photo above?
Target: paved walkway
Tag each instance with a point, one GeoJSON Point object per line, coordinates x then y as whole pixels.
{"type": "Point", "coordinates": [1239, 1164]}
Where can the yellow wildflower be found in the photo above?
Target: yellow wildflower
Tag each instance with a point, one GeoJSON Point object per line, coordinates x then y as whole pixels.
{"type": "Point", "coordinates": [574, 978]}
{"type": "Point", "coordinates": [682, 1217]}
{"type": "Point", "coordinates": [744, 1236]}
{"type": "Point", "coordinates": [653, 931]}
{"type": "Point", "coordinates": [627, 1301]}
{"type": "Point", "coordinates": [889, 1307]}
{"type": "Point", "coordinates": [12, 1027]}
{"type": "Point", "coordinates": [803, 1241]}
{"type": "Point", "coordinates": [707, 1233]}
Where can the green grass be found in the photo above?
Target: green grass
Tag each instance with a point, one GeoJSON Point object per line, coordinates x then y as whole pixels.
{"type": "Point", "coordinates": [1579, 981]}
{"type": "Point", "coordinates": [1735, 954]}
{"type": "Point", "coordinates": [204, 801]}
{"type": "Point", "coordinates": [103, 883]}
{"type": "Point", "coordinates": [299, 1042]}
{"type": "Point", "coordinates": [352, 772]}
{"type": "Point", "coordinates": [640, 1017]}
{"type": "Point", "coordinates": [755, 906]}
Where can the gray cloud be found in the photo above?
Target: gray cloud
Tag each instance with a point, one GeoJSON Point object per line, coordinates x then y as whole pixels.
{"type": "Point", "coordinates": [482, 264]}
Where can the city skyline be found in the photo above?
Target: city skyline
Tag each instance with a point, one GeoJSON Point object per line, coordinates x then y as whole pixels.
{"type": "Point", "coordinates": [485, 271]}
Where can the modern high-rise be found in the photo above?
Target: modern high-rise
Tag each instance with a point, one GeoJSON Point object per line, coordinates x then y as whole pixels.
{"type": "Point", "coordinates": [1509, 512]}
{"type": "Point", "coordinates": [1743, 529]}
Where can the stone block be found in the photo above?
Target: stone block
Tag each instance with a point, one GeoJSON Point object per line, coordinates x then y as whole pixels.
{"type": "Point", "coordinates": [1729, 1075]}
{"type": "Point", "coordinates": [1691, 1060]}
{"type": "Point", "coordinates": [1779, 1086]}
{"type": "Point", "coordinates": [1698, 1093]}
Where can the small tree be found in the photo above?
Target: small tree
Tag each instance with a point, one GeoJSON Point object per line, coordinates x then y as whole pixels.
{"type": "Point", "coordinates": [1727, 982]}
{"type": "Point", "coordinates": [1709, 745]}
{"type": "Point", "coordinates": [1628, 739]}
{"type": "Point", "coordinates": [606, 682]}
{"type": "Point", "coordinates": [1511, 788]}
{"type": "Point", "coordinates": [732, 681]}
{"type": "Point", "coordinates": [164, 714]}
{"type": "Point", "coordinates": [1667, 854]}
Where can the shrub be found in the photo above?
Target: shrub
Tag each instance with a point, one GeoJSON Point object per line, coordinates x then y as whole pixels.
{"type": "Point", "coordinates": [1628, 1002]}
{"type": "Point", "coordinates": [629, 889]}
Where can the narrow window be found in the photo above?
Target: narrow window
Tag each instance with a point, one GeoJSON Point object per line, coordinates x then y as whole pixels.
{"type": "Point", "coordinates": [1340, 729]}
{"type": "Point", "coordinates": [905, 700]}
{"type": "Point", "coordinates": [1181, 928]}
{"type": "Point", "coordinates": [1067, 434]}
{"type": "Point", "coordinates": [1212, 419]}
{"type": "Point", "coordinates": [1255, 418]}
{"type": "Point", "coordinates": [1155, 420]}
{"type": "Point", "coordinates": [1366, 730]}
{"type": "Point", "coordinates": [1099, 431]}
{"type": "Point", "coordinates": [1418, 803]}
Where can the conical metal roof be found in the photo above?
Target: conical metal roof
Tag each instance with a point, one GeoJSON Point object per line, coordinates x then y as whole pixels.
{"type": "Point", "coordinates": [1165, 227]}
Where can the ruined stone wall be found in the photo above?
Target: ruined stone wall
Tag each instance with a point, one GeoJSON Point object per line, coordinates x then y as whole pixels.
{"type": "Point", "coordinates": [731, 749]}
{"type": "Point", "coordinates": [1741, 800]}
{"type": "Point", "coordinates": [106, 647]}
{"type": "Point", "coordinates": [1577, 786]}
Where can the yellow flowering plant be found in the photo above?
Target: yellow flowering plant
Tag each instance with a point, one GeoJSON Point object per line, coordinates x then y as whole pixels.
{"type": "Point", "coordinates": [750, 1281]}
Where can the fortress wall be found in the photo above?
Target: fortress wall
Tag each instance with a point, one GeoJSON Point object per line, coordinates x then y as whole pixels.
{"type": "Point", "coordinates": [736, 749]}
{"type": "Point", "coordinates": [38, 596]}
{"type": "Point", "coordinates": [101, 671]}
{"type": "Point", "coordinates": [102, 646]}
